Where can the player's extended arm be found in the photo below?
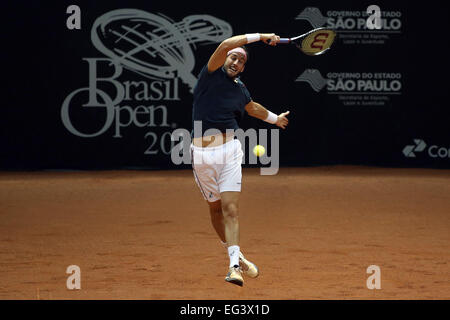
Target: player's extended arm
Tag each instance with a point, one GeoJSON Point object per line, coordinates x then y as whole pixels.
{"type": "Point", "coordinates": [258, 111]}
{"type": "Point", "coordinates": [220, 55]}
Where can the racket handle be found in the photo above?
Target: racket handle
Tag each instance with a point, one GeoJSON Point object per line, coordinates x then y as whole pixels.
{"type": "Point", "coordinates": [282, 40]}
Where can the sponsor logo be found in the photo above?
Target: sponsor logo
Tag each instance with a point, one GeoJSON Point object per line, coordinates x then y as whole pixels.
{"type": "Point", "coordinates": [433, 151]}
{"type": "Point", "coordinates": [313, 16]}
{"type": "Point", "coordinates": [355, 88]}
{"type": "Point", "coordinates": [314, 78]}
{"type": "Point", "coordinates": [351, 25]}
{"type": "Point", "coordinates": [315, 42]}
{"type": "Point", "coordinates": [319, 40]}
{"type": "Point", "coordinates": [409, 150]}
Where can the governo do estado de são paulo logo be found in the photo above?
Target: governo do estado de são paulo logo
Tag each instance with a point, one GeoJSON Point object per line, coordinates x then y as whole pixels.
{"type": "Point", "coordinates": [355, 88]}
{"type": "Point", "coordinates": [351, 25]}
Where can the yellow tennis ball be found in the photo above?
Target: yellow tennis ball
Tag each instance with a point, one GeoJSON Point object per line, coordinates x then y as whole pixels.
{"type": "Point", "coordinates": [259, 150]}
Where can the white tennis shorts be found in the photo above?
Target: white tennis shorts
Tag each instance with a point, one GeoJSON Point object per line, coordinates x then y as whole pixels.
{"type": "Point", "coordinates": [217, 169]}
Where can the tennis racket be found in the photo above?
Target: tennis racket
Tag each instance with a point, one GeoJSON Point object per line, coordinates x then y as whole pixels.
{"type": "Point", "coordinates": [314, 42]}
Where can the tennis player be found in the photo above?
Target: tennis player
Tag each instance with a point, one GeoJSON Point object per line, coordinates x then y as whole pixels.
{"type": "Point", "coordinates": [220, 99]}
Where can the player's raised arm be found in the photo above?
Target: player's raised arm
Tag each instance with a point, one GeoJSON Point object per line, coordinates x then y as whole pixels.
{"type": "Point", "coordinates": [258, 111]}
{"type": "Point", "coordinates": [219, 56]}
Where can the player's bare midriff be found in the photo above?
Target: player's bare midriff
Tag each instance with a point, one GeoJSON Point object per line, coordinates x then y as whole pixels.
{"type": "Point", "coordinates": [212, 141]}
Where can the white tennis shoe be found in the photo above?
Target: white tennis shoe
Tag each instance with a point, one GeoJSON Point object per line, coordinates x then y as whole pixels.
{"type": "Point", "coordinates": [249, 268]}
{"type": "Point", "coordinates": [234, 276]}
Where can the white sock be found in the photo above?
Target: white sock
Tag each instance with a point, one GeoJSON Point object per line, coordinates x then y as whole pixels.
{"type": "Point", "coordinates": [233, 253]}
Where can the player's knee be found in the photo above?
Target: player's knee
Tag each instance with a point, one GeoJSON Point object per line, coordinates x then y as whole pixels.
{"type": "Point", "coordinates": [230, 210]}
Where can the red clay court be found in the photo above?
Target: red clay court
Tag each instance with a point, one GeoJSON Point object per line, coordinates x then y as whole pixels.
{"type": "Point", "coordinates": [146, 235]}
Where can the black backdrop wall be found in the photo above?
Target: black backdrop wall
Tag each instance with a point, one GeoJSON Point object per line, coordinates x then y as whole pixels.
{"type": "Point", "coordinates": [109, 94]}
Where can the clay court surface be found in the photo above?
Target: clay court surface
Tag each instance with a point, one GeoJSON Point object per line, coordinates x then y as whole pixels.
{"type": "Point", "coordinates": [146, 235]}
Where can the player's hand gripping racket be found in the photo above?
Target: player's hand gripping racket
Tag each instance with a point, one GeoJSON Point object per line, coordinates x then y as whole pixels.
{"type": "Point", "coordinates": [314, 42]}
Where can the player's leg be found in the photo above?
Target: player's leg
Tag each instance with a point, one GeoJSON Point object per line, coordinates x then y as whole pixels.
{"type": "Point", "coordinates": [215, 210]}
{"type": "Point", "coordinates": [230, 206]}
{"type": "Point", "coordinates": [229, 181]}
{"type": "Point", "coordinates": [205, 176]}
{"type": "Point", "coordinates": [230, 209]}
